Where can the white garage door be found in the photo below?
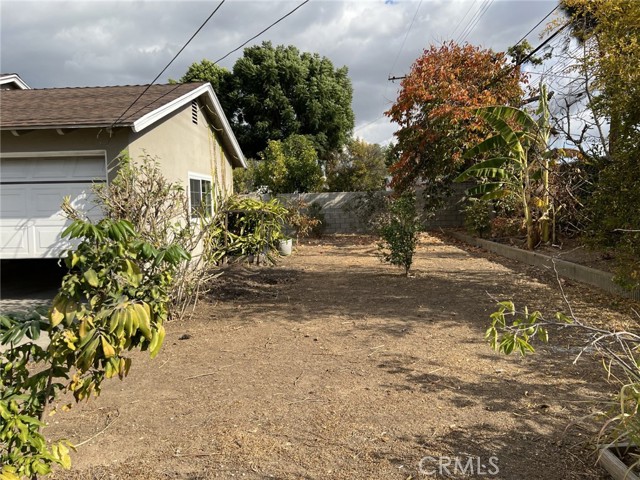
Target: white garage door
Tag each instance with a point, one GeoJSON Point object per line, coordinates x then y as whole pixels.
{"type": "Point", "coordinates": [32, 190]}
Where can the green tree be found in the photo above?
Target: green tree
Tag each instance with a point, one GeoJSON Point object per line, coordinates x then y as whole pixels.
{"type": "Point", "coordinates": [608, 31]}
{"type": "Point", "coordinates": [220, 79]}
{"type": "Point", "coordinates": [276, 92]}
{"type": "Point", "coordinates": [289, 166]}
{"type": "Point", "coordinates": [399, 226]}
{"type": "Point", "coordinates": [358, 167]}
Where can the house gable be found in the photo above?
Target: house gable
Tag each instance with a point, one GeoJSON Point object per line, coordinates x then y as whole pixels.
{"type": "Point", "coordinates": [12, 81]}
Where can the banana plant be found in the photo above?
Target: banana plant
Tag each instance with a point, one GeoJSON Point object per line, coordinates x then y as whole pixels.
{"type": "Point", "coordinates": [521, 162]}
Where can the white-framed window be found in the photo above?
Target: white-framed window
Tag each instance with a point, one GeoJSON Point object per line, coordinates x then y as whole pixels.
{"type": "Point", "coordinates": [200, 194]}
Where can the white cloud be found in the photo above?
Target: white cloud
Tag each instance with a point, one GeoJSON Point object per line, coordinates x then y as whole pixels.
{"type": "Point", "coordinates": [122, 42]}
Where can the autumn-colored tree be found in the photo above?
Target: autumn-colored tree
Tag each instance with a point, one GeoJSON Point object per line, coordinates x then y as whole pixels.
{"type": "Point", "coordinates": [434, 110]}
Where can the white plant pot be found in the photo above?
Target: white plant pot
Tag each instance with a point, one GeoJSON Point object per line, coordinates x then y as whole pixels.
{"type": "Point", "coordinates": [285, 247]}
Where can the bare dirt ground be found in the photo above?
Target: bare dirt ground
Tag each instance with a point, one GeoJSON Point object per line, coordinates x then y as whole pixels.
{"type": "Point", "coordinates": [332, 365]}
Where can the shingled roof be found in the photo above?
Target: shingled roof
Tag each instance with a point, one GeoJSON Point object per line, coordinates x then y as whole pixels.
{"type": "Point", "coordinates": [101, 107]}
{"type": "Point", "coordinates": [86, 106]}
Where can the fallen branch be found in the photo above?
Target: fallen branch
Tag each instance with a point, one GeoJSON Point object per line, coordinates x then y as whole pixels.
{"type": "Point", "coordinates": [99, 433]}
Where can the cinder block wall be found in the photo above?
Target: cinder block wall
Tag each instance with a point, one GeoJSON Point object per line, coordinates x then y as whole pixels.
{"type": "Point", "coordinates": [338, 218]}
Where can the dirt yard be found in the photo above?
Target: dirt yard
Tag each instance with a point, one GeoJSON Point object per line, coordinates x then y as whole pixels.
{"type": "Point", "coordinates": [332, 365]}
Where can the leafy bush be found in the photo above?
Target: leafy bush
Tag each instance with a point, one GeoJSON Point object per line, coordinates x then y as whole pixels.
{"type": "Point", "coordinates": [477, 216]}
{"type": "Point", "coordinates": [513, 331]}
{"type": "Point", "coordinates": [398, 228]}
{"type": "Point", "coordinates": [299, 217]}
{"type": "Point", "coordinates": [254, 227]}
{"type": "Point", "coordinates": [289, 166]}
{"type": "Point", "coordinates": [315, 213]}
{"type": "Point", "coordinates": [159, 210]}
{"type": "Point", "coordinates": [115, 298]}
{"type": "Point", "coordinates": [504, 227]}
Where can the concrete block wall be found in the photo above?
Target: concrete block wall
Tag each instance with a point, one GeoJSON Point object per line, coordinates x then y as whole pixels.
{"type": "Point", "coordinates": [338, 218]}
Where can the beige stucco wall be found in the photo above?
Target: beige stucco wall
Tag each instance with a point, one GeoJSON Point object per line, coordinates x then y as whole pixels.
{"type": "Point", "coordinates": [183, 147]}
{"type": "Point", "coordinates": [81, 139]}
{"type": "Point", "coordinates": [180, 146]}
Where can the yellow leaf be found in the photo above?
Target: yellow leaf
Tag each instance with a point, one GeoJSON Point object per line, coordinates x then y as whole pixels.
{"type": "Point", "coordinates": [107, 349]}
{"type": "Point", "coordinates": [57, 310]}
{"type": "Point", "coordinates": [91, 277]}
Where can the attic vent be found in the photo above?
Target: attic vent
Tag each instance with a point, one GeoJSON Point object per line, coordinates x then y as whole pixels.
{"type": "Point", "coordinates": [194, 112]}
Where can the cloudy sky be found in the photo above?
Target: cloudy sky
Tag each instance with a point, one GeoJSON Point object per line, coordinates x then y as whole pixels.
{"type": "Point", "coordinates": [87, 43]}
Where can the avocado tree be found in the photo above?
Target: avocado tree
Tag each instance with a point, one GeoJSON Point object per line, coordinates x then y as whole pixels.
{"type": "Point", "coordinates": [275, 92]}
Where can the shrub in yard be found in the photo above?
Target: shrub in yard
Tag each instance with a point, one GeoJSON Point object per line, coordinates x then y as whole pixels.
{"type": "Point", "coordinates": [114, 299]}
{"type": "Point", "coordinates": [516, 331]}
{"type": "Point", "coordinates": [299, 218]}
{"type": "Point", "coordinates": [477, 216]}
{"type": "Point", "coordinates": [315, 213]}
{"type": "Point", "coordinates": [159, 210]}
{"type": "Point", "coordinates": [398, 228]}
{"type": "Point", "coordinates": [502, 227]}
{"type": "Point", "coordinates": [254, 227]}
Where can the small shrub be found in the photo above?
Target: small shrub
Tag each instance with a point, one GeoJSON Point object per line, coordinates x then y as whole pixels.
{"type": "Point", "coordinates": [159, 211]}
{"type": "Point", "coordinates": [399, 228]}
{"type": "Point", "coordinates": [115, 298]}
{"type": "Point", "coordinates": [299, 219]}
{"type": "Point", "coordinates": [477, 216]}
{"type": "Point", "coordinates": [516, 331]}
{"type": "Point", "coordinates": [315, 213]}
{"type": "Point", "coordinates": [503, 227]}
{"type": "Point", "coordinates": [254, 227]}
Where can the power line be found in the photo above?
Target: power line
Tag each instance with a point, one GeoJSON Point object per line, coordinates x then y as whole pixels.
{"type": "Point", "coordinates": [263, 31]}
{"type": "Point", "coordinates": [462, 20]}
{"type": "Point", "coordinates": [528, 56]}
{"type": "Point", "coordinates": [405, 37]}
{"type": "Point", "coordinates": [537, 25]}
{"type": "Point", "coordinates": [222, 58]}
{"type": "Point", "coordinates": [369, 123]}
{"type": "Point", "coordinates": [475, 24]}
{"type": "Point", "coordinates": [470, 21]}
{"type": "Point", "coordinates": [169, 64]}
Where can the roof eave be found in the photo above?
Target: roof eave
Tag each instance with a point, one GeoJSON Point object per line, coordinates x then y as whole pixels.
{"type": "Point", "coordinates": [168, 108]}
{"type": "Point", "coordinates": [14, 78]}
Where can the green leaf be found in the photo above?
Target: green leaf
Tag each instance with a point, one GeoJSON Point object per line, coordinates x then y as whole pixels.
{"type": "Point", "coordinates": [491, 144]}
{"type": "Point", "coordinates": [92, 277]}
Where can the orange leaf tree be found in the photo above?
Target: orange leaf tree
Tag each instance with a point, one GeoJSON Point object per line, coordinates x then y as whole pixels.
{"type": "Point", "coordinates": [434, 111]}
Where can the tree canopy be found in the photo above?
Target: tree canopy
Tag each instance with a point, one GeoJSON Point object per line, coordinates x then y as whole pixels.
{"type": "Point", "coordinates": [434, 110]}
{"type": "Point", "coordinates": [608, 31]}
{"type": "Point", "coordinates": [289, 166]}
{"type": "Point", "coordinates": [358, 167]}
{"type": "Point", "coordinates": [275, 92]}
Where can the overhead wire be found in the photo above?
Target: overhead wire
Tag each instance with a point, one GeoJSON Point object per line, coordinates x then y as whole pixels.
{"type": "Point", "coordinates": [415, 15]}
{"type": "Point", "coordinates": [263, 31]}
{"type": "Point", "coordinates": [462, 19]}
{"type": "Point", "coordinates": [471, 20]}
{"type": "Point", "coordinates": [472, 27]}
{"type": "Point", "coordinates": [222, 58]}
{"type": "Point", "coordinates": [537, 25]}
{"type": "Point", "coordinates": [215, 10]}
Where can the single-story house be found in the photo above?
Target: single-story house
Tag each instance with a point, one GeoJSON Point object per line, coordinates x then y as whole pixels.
{"type": "Point", "coordinates": [58, 141]}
